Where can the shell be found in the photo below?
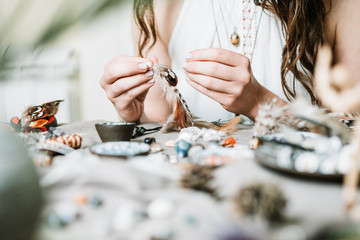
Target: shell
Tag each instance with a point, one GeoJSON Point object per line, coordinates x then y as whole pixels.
{"type": "Point", "coordinates": [73, 140]}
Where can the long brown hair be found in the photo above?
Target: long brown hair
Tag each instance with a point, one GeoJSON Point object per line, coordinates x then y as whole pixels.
{"type": "Point", "coordinates": [303, 22]}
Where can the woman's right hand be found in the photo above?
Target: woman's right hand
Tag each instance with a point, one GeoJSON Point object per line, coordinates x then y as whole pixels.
{"type": "Point", "coordinates": [126, 81]}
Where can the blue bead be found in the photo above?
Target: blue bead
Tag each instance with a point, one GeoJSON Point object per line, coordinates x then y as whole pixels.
{"type": "Point", "coordinates": [95, 201]}
{"type": "Point", "coordinates": [182, 147]}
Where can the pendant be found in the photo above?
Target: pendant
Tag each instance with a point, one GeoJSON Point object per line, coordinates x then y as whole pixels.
{"type": "Point", "coordinates": [235, 39]}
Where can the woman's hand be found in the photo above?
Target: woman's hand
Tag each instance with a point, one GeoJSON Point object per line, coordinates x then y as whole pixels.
{"type": "Point", "coordinates": [226, 77]}
{"type": "Point", "coordinates": [126, 81]}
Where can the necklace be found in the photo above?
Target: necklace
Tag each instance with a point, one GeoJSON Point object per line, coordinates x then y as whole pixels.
{"type": "Point", "coordinates": [234, 37]}
{"type": "Point", "coordinates": [249, 32]}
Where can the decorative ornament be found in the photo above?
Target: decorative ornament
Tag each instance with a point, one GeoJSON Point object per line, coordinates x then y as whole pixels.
{"type": "Point", "coordinates": [263, 199]}
{"type": "Point", "coordinates": [37, 118]}
{"type": "Point", "coordinates": [73, 140]}
{"type": "Point", "coordinates": [199, 178]}
{"type": "Point", "coordinates": [181, 116]}
{"type": "Point", "coordinates": [235, 39]}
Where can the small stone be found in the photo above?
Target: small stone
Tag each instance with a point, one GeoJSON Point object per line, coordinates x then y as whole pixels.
{"type": "Point", "coordinates": [149, 140]}
{"type": "Point", "coordinates": [53, 220]}
{"type": "Point", "coordinates": [307, 162]}
{"type": "Point", "coordinates": [160, 208]}
{"type": "Point", "coordinates": [229, 142]}
{"type": "Point", "coordinates": [254, 143]}
{"type": "Point", "coordinates": [170, 143]}
{"type": "Point", "coordinates": [81, 198]}
{"type": "Point", "coordinates": [182, 147]}
{"type": "Point", "coordinates": [210, 135]}
{"type": "Point", "coordinates": [127, 215]}
{"type": "Point", "coordinates": [191, 220]}
{"type": "Point", "coordinates": [155, 147]}
{"type": "Point", "coordinates": [95, 201]}
{"type": "Point", "coordinates": [67, 212]}
{"type": "Point", "coordinates": [187, 136]}
{"type": "Point", "coordinates": [194, 131]}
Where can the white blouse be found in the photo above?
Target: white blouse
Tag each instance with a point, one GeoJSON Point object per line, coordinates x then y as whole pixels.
{"type": "Point", "coordinates": [209, 23]}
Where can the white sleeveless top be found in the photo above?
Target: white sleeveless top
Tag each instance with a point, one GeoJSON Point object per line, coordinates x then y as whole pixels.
{"type": "Point", "coordinates": [209, 23]}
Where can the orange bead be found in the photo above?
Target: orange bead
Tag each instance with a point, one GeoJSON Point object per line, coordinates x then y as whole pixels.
{"type": "Point", "coordinates": [81, 198]}
{"type": "Point", "coordinates": [229, 142]}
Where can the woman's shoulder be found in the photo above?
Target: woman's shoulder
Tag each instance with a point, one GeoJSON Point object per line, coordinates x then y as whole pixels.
{"type": "Point", "coordinates": [342, 17]}
{"type": "Point", "coordinates": [166, 14]}
{"type": "Point", "coordinates": [342, 25]}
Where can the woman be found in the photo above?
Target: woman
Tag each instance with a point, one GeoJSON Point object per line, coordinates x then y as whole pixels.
{"type": "Point", "coordinates": [219, 77]}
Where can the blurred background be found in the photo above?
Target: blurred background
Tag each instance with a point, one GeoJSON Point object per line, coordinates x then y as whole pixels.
{"type": "Point", "coordinates": [57, 49]}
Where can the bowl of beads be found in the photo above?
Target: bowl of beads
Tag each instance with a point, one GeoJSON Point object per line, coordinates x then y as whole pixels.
{"type": "Point", "coordinates": [115, 131]}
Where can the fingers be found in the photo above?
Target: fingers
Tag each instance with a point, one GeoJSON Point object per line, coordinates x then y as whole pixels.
{"type": "Point", "coordinates": [219, 97]}
{"type": "Point", "coordinates": [210, 83]}
{"type": "Point", "coordinates": [126, 84]}
{"type": "Point", "coordinates": [117, 70]}
{"type": "Point", "coordinates": [219, 55]}
{"type": "Point", "coordinates": [210, 69]}
{"type": "Point", "coordinates": [124, 66]}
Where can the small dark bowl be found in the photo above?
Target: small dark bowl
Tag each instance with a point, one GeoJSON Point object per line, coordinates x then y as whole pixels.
{"type": "Point", "coordinates": [115, 131]}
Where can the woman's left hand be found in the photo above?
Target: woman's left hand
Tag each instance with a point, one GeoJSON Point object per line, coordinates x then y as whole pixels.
{"type": "Point", "coordinates": [226, 77]}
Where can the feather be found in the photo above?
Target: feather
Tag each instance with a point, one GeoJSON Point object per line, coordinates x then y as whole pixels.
{"type": "Point", "coordinates": [181, 116]}
{"type": "Point", "coordinates": [33, 113]}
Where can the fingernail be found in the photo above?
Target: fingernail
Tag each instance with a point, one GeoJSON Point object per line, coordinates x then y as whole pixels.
{"type": "Point", "coordinates": [188, 56]}
{"type": "Point", "coordinates": [149, 73]}
{"type": "Point", "coordinates": [151, 81]}
{"type": "Point", "coordinates": [185, 65]}
{"type": "Point", "coordinates": [143, 66]}
{"type": "Point", "coordinates": [149, 64]}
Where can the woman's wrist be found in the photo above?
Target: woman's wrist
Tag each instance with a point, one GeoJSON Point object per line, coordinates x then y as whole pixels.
{"type": "Point", "coordinates": [263, 95]}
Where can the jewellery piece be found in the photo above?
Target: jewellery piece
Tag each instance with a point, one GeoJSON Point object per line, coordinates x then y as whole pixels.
{"type": "Point", "coordinates": [235, 39]}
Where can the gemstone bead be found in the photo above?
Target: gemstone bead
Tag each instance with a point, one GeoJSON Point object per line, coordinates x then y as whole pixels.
{"type": "Point", "coordinates": [229, 142]}
{"type": "Point", "coordinates": [149, 140]}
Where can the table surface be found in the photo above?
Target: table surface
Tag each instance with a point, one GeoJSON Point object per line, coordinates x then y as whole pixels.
{"type": "Point", "coordinates": [312, 204]}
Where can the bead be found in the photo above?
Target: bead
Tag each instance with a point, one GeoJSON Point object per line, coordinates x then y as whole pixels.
{"type": "Point", "coordinates": [81, 198]}
{"type": "Point", "coordinates": [235, 39]}
{"type": "Point", "coordinates": [229, 142]}
{"type": "Point", "coordinates": [95, 201]}
{"type": "Point", "coordinates": [149, 140]}
{"type": "Point", "coordinates": [182, 148]}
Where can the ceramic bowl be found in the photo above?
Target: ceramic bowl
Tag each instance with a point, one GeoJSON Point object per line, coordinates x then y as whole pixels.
{"type": "Point", "coordinates": [115, 131]}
